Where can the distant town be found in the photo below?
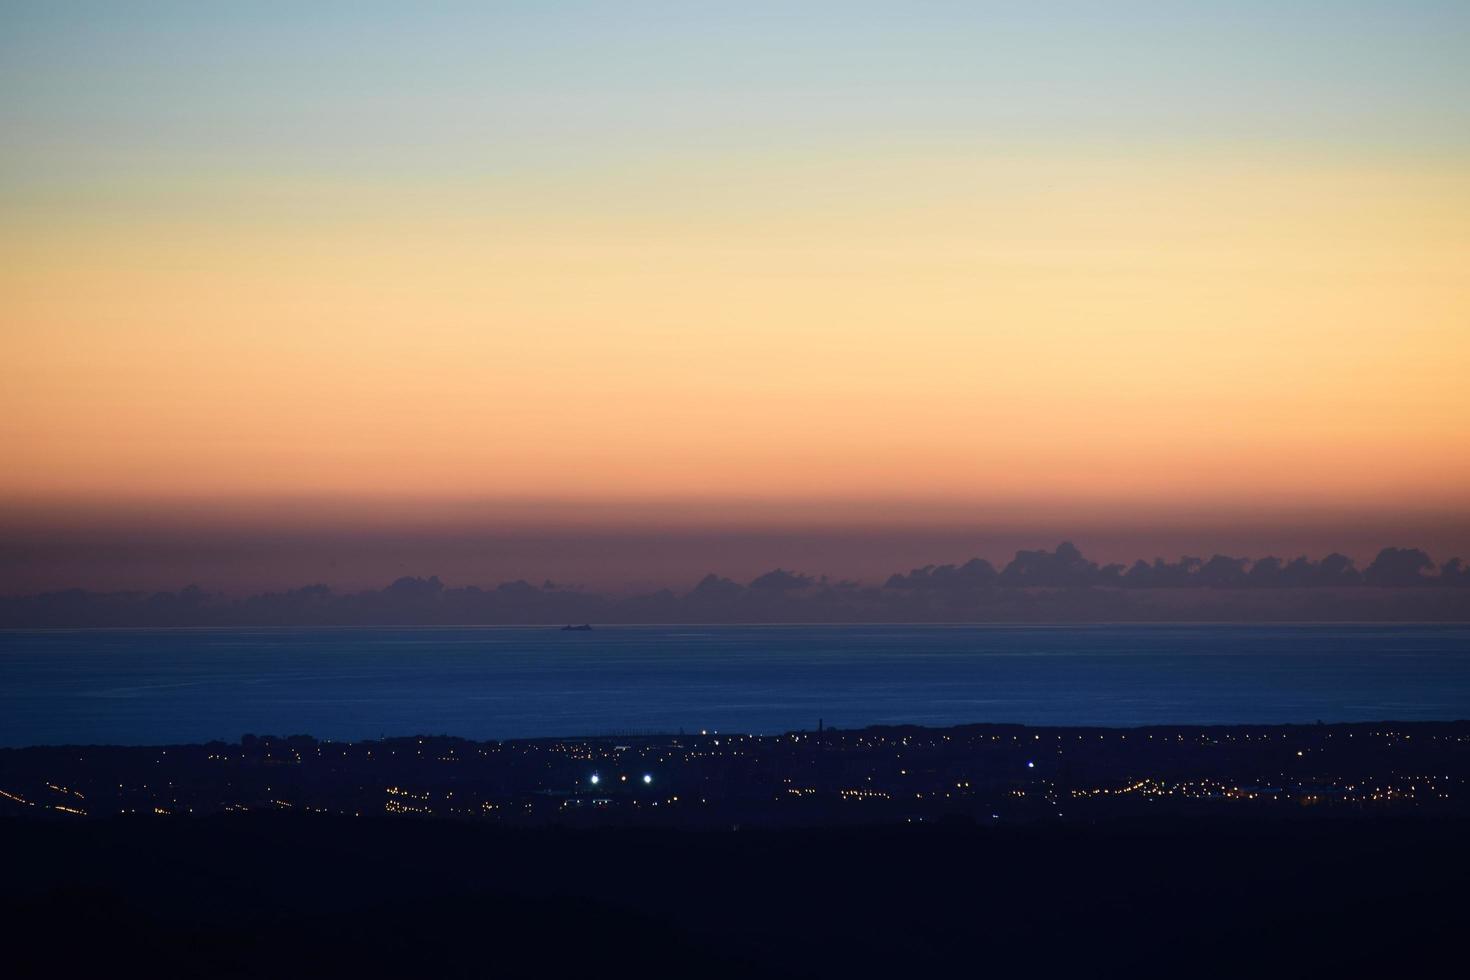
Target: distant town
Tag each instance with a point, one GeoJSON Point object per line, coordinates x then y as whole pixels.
{"type": "Point", "coordinates": [977, 773]}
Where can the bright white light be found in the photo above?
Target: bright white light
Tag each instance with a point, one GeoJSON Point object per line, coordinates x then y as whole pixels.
{"type": "Point", "coordinates": [596, 779]}
{"type": "Point", "coordinates": [1029, 765]}
{"type": "Point", "coordinates": [647, 779]}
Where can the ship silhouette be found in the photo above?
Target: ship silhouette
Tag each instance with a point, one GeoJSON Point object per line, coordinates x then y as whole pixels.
{"type": "Point", "coordinates": [584, 628]}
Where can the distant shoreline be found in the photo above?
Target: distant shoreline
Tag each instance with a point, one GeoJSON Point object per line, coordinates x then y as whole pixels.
{"type": "Point", "coordinates": [671, 736]}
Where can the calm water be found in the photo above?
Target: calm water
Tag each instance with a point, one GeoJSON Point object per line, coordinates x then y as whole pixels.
{"type": "Point", "coordinates": [157, 686]}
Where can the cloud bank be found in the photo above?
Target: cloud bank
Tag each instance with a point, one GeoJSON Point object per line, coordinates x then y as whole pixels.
{"type": "Point", "coordinates": [1400, 584]}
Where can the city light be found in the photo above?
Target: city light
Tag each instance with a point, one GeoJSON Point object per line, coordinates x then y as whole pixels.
{"type": "Point", "coordinates": [512, 781]}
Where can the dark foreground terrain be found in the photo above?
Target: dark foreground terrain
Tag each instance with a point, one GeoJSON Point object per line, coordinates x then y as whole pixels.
{"type": "Point", "coordinates": [281, 894]}
{"type": "Point", "coordinates": [1321, 850]}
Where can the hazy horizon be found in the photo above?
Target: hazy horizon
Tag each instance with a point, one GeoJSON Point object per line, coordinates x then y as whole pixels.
{"type": "Point", "coordinates": [244, 550]}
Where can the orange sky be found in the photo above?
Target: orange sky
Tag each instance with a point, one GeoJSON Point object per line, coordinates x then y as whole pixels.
{"type": "Point", "coordinates": [970, 329]}
{"type": "Point", "coordinates": [971, 267]}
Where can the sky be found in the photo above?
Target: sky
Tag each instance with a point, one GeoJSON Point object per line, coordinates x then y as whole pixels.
{"type": "Point", "coordinates": [622, 292]}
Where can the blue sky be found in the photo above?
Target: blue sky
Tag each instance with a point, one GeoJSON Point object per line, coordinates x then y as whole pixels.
{"type": "Point", "coordinates": [362, 84]}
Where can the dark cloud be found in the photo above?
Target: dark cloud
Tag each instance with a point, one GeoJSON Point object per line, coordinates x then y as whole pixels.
{"type": "Point", "coordinates": [1303, 573]}
{"type": "Point", "coordinates": [1221, 572]}
{"type": "Point", "coordinates": [1061, 568]}
{"type": "Point", "coordinates": [973, 574]}
{"type": "Point", "coordinates": [780, 580]}
{"type": "Point", "coordinates": [715, 588]}
{"type": "Point", "coordinates": [1036, 586]}
{"type": "Point", "coordinates": [409, 587]}
{"type": "Point", "coordinates": [1399, 568]}
{"type": "Point", "coordinates": [1162, 574]}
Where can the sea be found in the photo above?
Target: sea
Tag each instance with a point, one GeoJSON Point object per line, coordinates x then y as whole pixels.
{"type": "Point", "coordinates": [171, 686]}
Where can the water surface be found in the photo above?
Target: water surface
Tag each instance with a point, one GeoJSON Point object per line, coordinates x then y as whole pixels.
{"type": "Point", "coordinates": [184, 685]}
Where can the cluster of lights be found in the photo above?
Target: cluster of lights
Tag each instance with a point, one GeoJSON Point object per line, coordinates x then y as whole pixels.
{"type": "Point", "coordinates": [394, 806]}
{"type": "Point", "coordinates": [945, 777]}
{"type": "Point", "coordinates": [596, 778]}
